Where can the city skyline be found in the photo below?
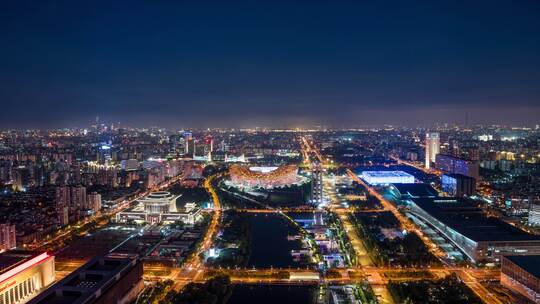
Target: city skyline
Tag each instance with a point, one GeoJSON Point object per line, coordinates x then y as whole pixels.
{"type": "Point", "coordinates": [239, 152]}
{"type": "Point", "coordinates": [271, 64]}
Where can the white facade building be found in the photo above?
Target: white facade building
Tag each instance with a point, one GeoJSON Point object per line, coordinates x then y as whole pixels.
{"type": "Point", "coordinates": [433, 145]}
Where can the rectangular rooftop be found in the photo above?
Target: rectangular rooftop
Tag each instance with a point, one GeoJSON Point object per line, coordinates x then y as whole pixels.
{"type": "Point", "coordinates": [468, 220]}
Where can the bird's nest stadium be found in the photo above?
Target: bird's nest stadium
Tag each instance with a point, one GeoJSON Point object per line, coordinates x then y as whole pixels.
{"type": "Point", "coordinates": [264, 177]}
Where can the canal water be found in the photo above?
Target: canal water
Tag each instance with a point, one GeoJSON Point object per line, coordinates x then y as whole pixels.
{"type": "Point", "coordinates": [269, 244]}
{"type": "Point", "coordinates": [271, 294]}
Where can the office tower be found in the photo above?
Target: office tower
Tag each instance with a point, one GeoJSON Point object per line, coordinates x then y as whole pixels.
{"type": "Point", "coordinates": [7, 237]}
{"type": "Point", "coordinates": [432, 147]}
{"type": "Point", "coordinates": [94, 201]}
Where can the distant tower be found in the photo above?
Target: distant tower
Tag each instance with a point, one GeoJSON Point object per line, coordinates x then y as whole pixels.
{"type": "Point", "coordinates": [433, 145]}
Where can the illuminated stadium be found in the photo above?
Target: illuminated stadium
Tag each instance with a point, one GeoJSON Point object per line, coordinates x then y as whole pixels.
{"type": "Point", "coordinates": [264, 177]}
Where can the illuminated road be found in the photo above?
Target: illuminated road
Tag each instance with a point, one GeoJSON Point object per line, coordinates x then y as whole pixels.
{"type": "Point", "coordinates": [281, 210]}
{"type": "Point", "coordinates": [464, 274]}
{"type": "Point", "coordinates": [362, 256]}
{"type": "Point", "coordinates": [470, 276]}
{"type": "Point", "coordinates": [404, 222]}
{"type": "Point", "coordinates": [193, 268]}
{"type": "Point", "coordinates": [377, 276]}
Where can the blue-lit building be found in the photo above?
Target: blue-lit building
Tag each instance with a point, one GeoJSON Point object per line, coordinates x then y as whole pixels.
{"type": "Point", "coordinates": [387, 177]}
{"type": "Point", "coordinates": [456, 165]}
{"type": "Point", "coordinates": [458, 185]}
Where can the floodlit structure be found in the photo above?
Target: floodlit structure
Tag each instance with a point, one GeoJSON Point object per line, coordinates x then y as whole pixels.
{"type": "Point", "coordinates": [23, 274]}
{"type": "Point", "coordinates": [264, 177]}
{"type": "Point", "coordinates": [160, 207]}
{"type": "Point", "coordinates": [456, 165]}
{"type": "Point", "coordinates": [387, 177]}
{"type": "Point", "coordinates": [433, 146]}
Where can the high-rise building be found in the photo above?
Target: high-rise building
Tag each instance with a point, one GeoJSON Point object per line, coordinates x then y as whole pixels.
{"type": "Point", "coordinates": [174, 142]}
{"type": "Point", "coordinates": [21, 178]}
{"type": "Point", "coordinates": [63, 200]}
{"type": "Point", "coordinates": [78, 198]}
{"type": "Point", "coordinates": [317, 185]}
{"type": "Point", "coordinates": [7, 237]}
{"type": "Point", "coordinates": [208, 144]}
{"type": "Point", "coordinates": [192, 147]}
{"type": "Point", "coordinates": [188, 138]}
{"type": "Point", "coordinates": [63, 215]}
{"type": "Point", "coordinates": [63, 196]}
{"type": "Point", "coordinates": [457, 165]}
{"type": "Point", "coordinates": [94, 201]}
{"type": "Point", "coordinates": [433, 144]}
{"type": "Point", "coordinates": [453, 148]}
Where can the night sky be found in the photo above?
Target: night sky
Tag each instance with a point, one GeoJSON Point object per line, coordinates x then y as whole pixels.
{"type": "Point", "coordinates": [268, 63]}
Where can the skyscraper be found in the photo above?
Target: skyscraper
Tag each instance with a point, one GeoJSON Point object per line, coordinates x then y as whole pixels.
{"type": "Point", "coordinates": [433, 145]}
